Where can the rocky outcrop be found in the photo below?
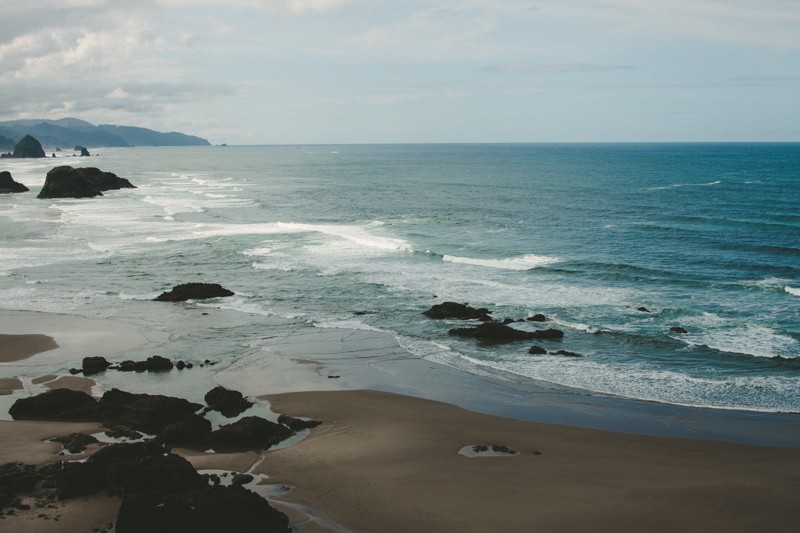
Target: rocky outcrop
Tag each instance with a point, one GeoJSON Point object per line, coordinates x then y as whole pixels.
{"type": "Point", "coordinates": [538, 317]}
{"type": "Point", "coordinates": [57, 404]}
{"type": "Point", "coordinates": [678, 329]}
{"type": "Point", "coordinates": [150, 413]}
{"type": "Point", "coordinates": [28, 147]}
{"type": "Point", "coordinates": [537, 350]}
{"type": "Point", "coordinates": [94, 365]}
{"type": "Point", "coordinates": [249, 433]}
{"type": "Point", "coordinates": [492, 332]}
{"type": "Point", "coordinates": [457, 311]}
{"type": "Point", "coordinates": [194, 291]}
{"type": "Point", "coordinates": [8, 185]}
{"type": "Point", "coordinates": [68, 182]}
{"type": "Point", "coordinates": [297, 424]}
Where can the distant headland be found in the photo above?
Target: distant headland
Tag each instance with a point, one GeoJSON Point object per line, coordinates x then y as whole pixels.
{"type": "Point", "coordinates": [72, 132]}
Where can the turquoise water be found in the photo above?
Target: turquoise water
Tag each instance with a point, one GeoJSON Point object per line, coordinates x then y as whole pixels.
{"type": "Point", "coordinates": [704, 236]}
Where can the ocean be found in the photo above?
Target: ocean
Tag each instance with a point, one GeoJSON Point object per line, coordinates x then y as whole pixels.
{"type": "Point", "coordinates": [615, 243]}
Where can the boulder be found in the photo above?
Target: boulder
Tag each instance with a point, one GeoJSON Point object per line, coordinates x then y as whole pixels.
{"type": "Point", "coordinates": [249, 433]}
{"type": "Point", "coordinates": [190, 431]}
{"type": "Point", "coordinates": [537, 350]}
{"type": "Point", "coordinates": [194, 291]}
{"type": "Point", "coordinates": [538, 317]}
{"type": "Point", "coordinates": [28, 147]}
{"type": "Point", "coordinates": [230, 403]}
{"type": "Point", "coordinates": [678, 329]}
{"type": "Point", "coordinates": [155, 363]}
{"type": "Point", "coordinates": [566, 353]}
{"type": "Point", "coordinates": [500, 333]}
{"type": "Point", "coordinates": [76, 442]}
{"type": "Point", "coordinates": [88, 182]}
{"type": "Point", "coordinates": [8, 185]}
{"type": "Point", "coordinates": [457, 311]}
{"type": "Point", "coordinates": [94, 365]}
{"type": "Point", "coordinates": [57, 404]}
{"type": "Point", "coordinates": [150, 413]}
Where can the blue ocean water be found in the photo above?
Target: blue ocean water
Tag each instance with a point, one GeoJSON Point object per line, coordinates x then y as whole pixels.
{"type": "Point", "coordinates": [703, 236]}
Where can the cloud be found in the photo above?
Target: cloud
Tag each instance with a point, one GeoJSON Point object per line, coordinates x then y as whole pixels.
{"type": "Point", "coordinates": [556, 68]}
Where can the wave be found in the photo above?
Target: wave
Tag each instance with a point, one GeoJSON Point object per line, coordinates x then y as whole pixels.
{"type": "Point", "coordinates": [724, 335]}
{"type": "Point", "coordinates": [792, 290]}
{"type": "Point", "coordinates": [522, 262]}
{"type": "Point", "coordinates": [679, 185]}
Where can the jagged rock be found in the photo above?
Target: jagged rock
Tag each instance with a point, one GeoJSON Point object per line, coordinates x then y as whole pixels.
{"type": "Point", "coordinates": [82, 149]}
{"type": "Point", "coordinates": [566, 353]}
{"type": "Point", "coordinates": [150, 413]}
{"type": "Point", "coordinates": [537, 350]}
{"type": "Point", "coordinates": [228, 402]}
{"type": "Point", "coordinates": [119, 431]}
{"type": "Point", "coordinates": [249, 433]}
{"type": "Point", "coordinates": [68, 182]}
{"type": "Point", "coordinates": [678, 329]}
{"type": "Point", "coordinates": [189, 431]}
{"type": "Point", "coordinates": [643, 309]}
{"type": "Point", "coordinates": [297, 424]}
{"type": "Point", "coordinates": [538, 317]}
{"type": "Point", "coordinates": [156, 363]}
{"type": "Point", "coordinates": [57, 404]}
{"type": "Point", "coordinates": [8, 185]}
{"type": "Point", "coordinates": [28, 147]}
{"type": "Point", "coordinates": [133, 366]}
{"type": "Point", "coordinates": [210, 509]}
{"type": "Point", "coordinates": [457, 311]}
{"type": "Point", "coordinates": [499, 333]}
{"type": "Point", "coordinates": [94, 365]}
{"type": "Point", "coordinates": [193, 291]}
{"type": "Point", "coordinates": [16, 479]}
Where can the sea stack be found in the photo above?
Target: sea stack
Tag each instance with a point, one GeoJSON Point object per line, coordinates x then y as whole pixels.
{"type": "Point", "coordinates": [8, 185]}
{"type": "Point", "coordinates": [28, 147]}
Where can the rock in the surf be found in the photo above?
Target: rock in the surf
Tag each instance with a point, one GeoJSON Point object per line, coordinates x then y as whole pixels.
{"type": "Point", "coordinates": [194, 291]}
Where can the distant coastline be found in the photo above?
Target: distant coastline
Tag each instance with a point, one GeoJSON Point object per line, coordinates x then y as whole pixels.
{"type": "Point", "coordinates": [68, 132]}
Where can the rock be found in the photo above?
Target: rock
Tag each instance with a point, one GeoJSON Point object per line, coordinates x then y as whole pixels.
{"type": "Point", "coordinates": [157, 363]}
{"type": "Point", "coordinates": [677, 329]}
{"type": "Point", "coordinates": [94, 365]}
{"type": "Point", "coordinates": [228, 402]}
{"type": "Point", "coordinates": [133, 366]}
{"type": "Point", "coordinates": [508, 321]}
{"type": "Point", "coordinates": [150, 413]}
{"type": "Point", "coordinates": [119, 431]}
{"type": "Point", "coordinates": [68, 182]}
{"type": "Point", "coordinates": [538, 317]}
{"type": "Point", "coordinates": [210, 509]}
{"type": "Point", "coordinates": [28, 147]}
{"type": "Point", "coordinates": [502, 448]}
{"type": "Point", "coordinates": [457, 311]}
{"type": "Point", "coordinates": [249, 433]}
{"type": "Point", "coordinates": [57, 404]}
{"type": "Point", "coordinates": [241, 479]}
{"type": "Point", "coordinates": [537, 350]}
{"type": "Point", "coordinates": [499, 333]}
{"type": "Point", "coordinates": [190, 431]}
{"type": "Point", "coordinates": [194, 291]}
{"type": "Point", "coordinates": [297, 424]}
{"type": "Point", "coordinates": [566, 353]}
{"type": "Point", "coordinates": [8, 185]}
{"type": "Point", "coordinates": [76, 442]}
{"type": "Point", "coordinates": [16, 479]}
{"type": "Point", "coordinates": [643, 309]}
{"type": "Point", "coordinates": [82, 149]}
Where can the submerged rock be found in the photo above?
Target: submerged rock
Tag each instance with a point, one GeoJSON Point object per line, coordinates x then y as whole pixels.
{"type": "Point", "coordinates": [677, 329]}
{"type": "Point", "coordinates": [457, 311]}
{"type": "Point", "coordinates": [499, 333]}
{"type": "Point", "coordinates": [194, 291]}
{"type": "Point", "coordinates": [537, 350]}
{"type": "Point", "coordinates": [8, 185]}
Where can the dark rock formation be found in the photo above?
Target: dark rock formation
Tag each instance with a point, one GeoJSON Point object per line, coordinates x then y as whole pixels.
{"type": "Point", "coordinates": [228, 402]}
{"type": "Point", "coordinates": [249, 433]}
{"type": "Point", "coordinates": [68, 182]}
{"type": "Point", "coordinates": [16, 479]}
{"type": "Point", "coordinates": [297, 424]}
{"type": "Point", "coordinates": [538, 317]}
{"type": "Point", "coordinates": [57, 404]}
{"type": "Point", "coordinates": [457, 311]}
{"type": "Point", "coordinates": [499, 333]}
{"type": "Point", "coordinates": [28, 147]}
{"type": "Point", "coordinates": [566, 353]}
{"type": "Point", "coordinates": [677, 329]}
{"type": "Point", "coordinates": [8, 185]}
{"type": "Point", "coordinates": [94, 365]}
{"type": "Point", "coordinates": [150, 413]}
{"type": "Point", "coordinates": [537, 350]}
{"type": "Point", "coordinates": [193, 291]}
{"type": "Point", "coordinates": [76, 442]}
{"type": "Point", "coordinates": [643, 309]}
{"type": "Point", "coordinates": [190, 431]}
{"type": "Point", "coordinates": [155, 363]}
{"type": "Point", "coordinates": [82, 149]}
{"type": "Point", "coordinates": [241, 479]}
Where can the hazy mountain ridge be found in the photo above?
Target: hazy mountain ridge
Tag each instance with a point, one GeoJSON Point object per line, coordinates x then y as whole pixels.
{"type": "Point", "coordinates": [69, 132]}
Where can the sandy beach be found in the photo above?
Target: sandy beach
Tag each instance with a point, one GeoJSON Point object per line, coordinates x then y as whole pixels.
{"type": "Point", "coordinates": [391, 463]}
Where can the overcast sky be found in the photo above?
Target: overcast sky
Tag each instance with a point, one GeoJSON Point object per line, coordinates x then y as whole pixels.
{"type": "Point", "coordinates": [360, 71]}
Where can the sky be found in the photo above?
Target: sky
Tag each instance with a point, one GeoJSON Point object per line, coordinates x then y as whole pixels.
{"type": "Point", "coordinates": [396, 71]}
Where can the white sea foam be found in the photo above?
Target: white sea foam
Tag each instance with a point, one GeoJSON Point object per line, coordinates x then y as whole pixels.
{"type": "Point", "coordinates": [726, 335]}
{"type": "Point", "coordinates": [522, 262]}
{"type": "Point", "coordinates": [679, 185]}
{"type": "Point", "coordinates": [792, 290]}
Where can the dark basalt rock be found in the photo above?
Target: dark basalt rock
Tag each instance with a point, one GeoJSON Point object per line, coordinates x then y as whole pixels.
{"type": "Point", "coordinates": [8, 185]}
{"type": "Point", "coordinates": [150, 413]}
{"type": "Point", "coordinates": [457, 311]}
{"type": "Point", "coordinates": [94, 365]}
{"type": "Point", "coordinates": [677, 329]}
{"type": "Point", "coordinates": [57, 404]}
{"type": "Point", "coordinates": [230, 403]}
{"type": "Point", "coordinates": [297, 424]}
{"type": "Point", "coordinates": [500, 333]}
{"type": "Point", "coordinates": [249, 433]}
{"type": "Point", "coordinates": [537, 350]}
{"type": "Point", "coordinates": [88, 182]}
{"type": "Point", "coordinates": [190, 431]}
{"type": "Point", "coordinates": [566, 353]}
{"type": "Point", "coordinates": [194, 291]}
{"type": "Point", "coordinates": [241, 479]}
{"type": "Point", "coordinates": [643, 310]}
{"type": "Point", "coordinates": [538, 317]}
{"type": "Point", "coordinates": [28, 147]}
{"type": "Point", "coordinates": [211, 509]}
{"type": "Point", "coordinates": [76, 442]}
{"type": "Point", "coordinates": [16, 479]}
{"type": "Point", "coordinates": [155, 363]}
